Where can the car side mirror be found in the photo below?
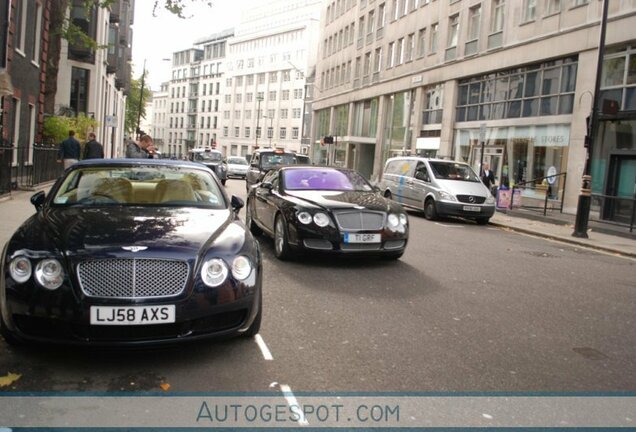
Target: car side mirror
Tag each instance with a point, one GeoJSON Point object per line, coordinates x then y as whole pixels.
{"type": "Point", "coordinates": [376, 189]}
{"type": "Point", "coordinates": [37, 199]}
{"type": "Point", "coordinates": [237, 203]}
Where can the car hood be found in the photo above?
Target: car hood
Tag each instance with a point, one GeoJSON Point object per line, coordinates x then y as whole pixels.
{"type": "Point", "coordinates": [95, 231]}
{"type": "Point", "coordinates": [337, 200]}
{"type": "Point", "coordinates": [458, 187]}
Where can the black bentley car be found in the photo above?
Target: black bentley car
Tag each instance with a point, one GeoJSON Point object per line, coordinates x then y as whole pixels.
{"type": "Point", "coordinates": [328, 210]}
{"type": "Point", "coordinates": [131, 252]}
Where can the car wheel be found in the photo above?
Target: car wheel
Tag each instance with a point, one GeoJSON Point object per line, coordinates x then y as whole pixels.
{"type": "Point", "coordinates": [255, 327]}
{"type": "Point", "coordinates": [281, 245]}
{"type": "Point", "coordinates": [249, 221]}
{"type": "Point", "coordinates": [482, 220]}
{"type": "Point", "coordinates": [9, 337]}
{"type": "Point", "coordinates": [430, 212]}
{"type": "Point", "coordinates": [388, 195]}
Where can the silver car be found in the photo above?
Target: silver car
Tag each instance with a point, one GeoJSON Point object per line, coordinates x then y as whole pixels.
{"type": "Point", "coordinates": [438, 187]}
{"type": "Point", "coordinates": [237, 166]}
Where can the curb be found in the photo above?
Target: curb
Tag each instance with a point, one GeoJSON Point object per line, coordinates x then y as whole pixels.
{"type": "Point", "coordinates": [564, 239]}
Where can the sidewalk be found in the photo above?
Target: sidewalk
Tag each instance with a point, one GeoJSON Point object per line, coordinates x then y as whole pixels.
{"type": "Point", "coordinates": [604, 237]}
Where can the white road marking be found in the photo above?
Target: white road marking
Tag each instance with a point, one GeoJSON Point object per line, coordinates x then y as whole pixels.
{"type": "Point", "coordinates": [267, 355]}
{"type": "Point", "coordinates": [292, 401]}
{"type": "Point", "coordinates": [449, 226]}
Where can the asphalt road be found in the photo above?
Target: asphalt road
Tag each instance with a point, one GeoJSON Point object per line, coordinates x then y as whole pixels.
{"type": "Point", "coordinates": [467, 309]}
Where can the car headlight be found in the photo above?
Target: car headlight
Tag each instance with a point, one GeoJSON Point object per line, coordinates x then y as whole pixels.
{"type": "Point", "coordinates": [490, 200]}
{"type": "Point", "coordinates": [321, 219]}
{"type": "Point", "coordinates": [446, 196]}
{"type": "Point", "coordinates": [214, 272]}
{"type": "Point", "coordinates": [393, 220]}
{"type": "Point", "coordinates": [403, 219]}
{"type": "Point", "coordinates": [241, 268]}
{"type": "Point", "coordinates": [20, 269]}
{"type": "Point", "coordinates": [304, 218]}
{"type": "Point", "coordinates": [49, 273]}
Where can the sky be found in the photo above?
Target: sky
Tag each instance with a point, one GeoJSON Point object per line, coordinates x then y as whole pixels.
{"type": "Point", "coordinates": [156, 37]}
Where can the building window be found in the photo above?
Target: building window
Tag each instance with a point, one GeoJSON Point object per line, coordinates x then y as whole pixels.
{"type": "Point", "coordinates": [283, 133]}
{"type": "Point", "coordinates": [247, 132]}
{"type": "Point", "coordinates": [474, 19]}
{"type": "Point", "coordinates": [390, 58]}
{"type": "Point", "coordinates": [399, 52]}
{"type": "Point", "coordinates": [497, 20]}
{"type": "Point", "coordinates": [580, 2]}
{"type": "Point", "coordinates": [554, 6]}
{"type": "Point", "coordinates": [381, 16]}
{"type": "Point", "coordinates": [20, 22]}
{"type": "Point", "coordinates": [421, 42]}
{"type": "Point", "coordinates": [271, 113]}
{"type": "Point", "coordinates": [377, 61]}
{"type": "Point", "coordinates": [225, 131]}
{"type": "Point", "coordinates": [453, 30]}
{"type": "Point", "coordinates": [410, 48]}
{"type": "Point", "coordinates": [434, 38]}
{"type": "Point", "coordinates": [79, 90]}
{"type": "Point", "coordinates": [284, 113]}
{"type": "Point", "coordinates": [37, 36]}
{"type": "Point", "coordinates": [294, 133]}
{"type": "Point", "coordinates": [270, 132]}
{"type": "Point", "coordinates": [272, 95]}
{"type": "Point", "coordinates": [237, 132]}
{"type": "Point", "coordinates": [529, 10]}
{"type": "Point", "coordinates": [296, 113]}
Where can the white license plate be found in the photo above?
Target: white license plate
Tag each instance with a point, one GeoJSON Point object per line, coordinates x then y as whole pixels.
{"type": "Point", "coordinates": [132, 315]}
{"type": "Point", "coordinates": [472, 208]}
{"type": "Point", "coordinates": [362, 238]}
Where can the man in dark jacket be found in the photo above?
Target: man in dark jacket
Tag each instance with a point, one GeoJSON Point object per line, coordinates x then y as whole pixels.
{"type": "Point", "coordinates": [144, 150]}
{"type": "Point", "coordinates": [93, 149]}
{"type": "Point", "coordinates": [69, 151]}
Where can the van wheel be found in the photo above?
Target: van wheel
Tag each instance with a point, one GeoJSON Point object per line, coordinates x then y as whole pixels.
{"type": "Point", "coordinates": [482, 220]}
{"type": "Point", "coordinates": [388, 195]}
{"type": "Point", "coordinates": [430, 212]}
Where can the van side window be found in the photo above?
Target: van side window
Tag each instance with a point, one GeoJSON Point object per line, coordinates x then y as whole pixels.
{"type": "Point", "coordinates": [255, 160]}
{"type": "Point", "coordinates": [421, 173]}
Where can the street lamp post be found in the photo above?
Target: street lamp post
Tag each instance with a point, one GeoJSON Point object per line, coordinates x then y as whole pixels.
{"type": "Point", "coordinates": [585, 197]}
{"type": "Point", "coordinates": [141, 100]}
{"type": "Point", "coordinates": [258, 118]}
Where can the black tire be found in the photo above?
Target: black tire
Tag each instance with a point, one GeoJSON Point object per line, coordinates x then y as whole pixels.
{"type": "Point", "coordinates": [430, 212]}
{"type": "Point", "coordinates": [281, 244]}
{"type": "Point", "coordinates": [255, 327]}
{"type": "Point", "coordinates": [482, 220]}
{"type": "Point", "coordinates": [249, 220]}
{"type": "Point", "coordinates": [388, 195]}
{"type": "Point", "coordinates": [9, 337]}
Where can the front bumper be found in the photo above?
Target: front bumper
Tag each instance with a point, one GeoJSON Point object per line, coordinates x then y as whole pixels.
{"type": "Point", "coordinates": [34, 314]}
{"type": "Point", "coordinates": [445, 208]}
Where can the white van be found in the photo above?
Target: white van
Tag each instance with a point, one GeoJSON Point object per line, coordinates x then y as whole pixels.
{"type": "Point", "coordinates": [438, 187]}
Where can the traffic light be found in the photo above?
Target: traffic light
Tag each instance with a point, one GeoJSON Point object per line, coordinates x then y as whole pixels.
{"type": "Point", "coordinates": [328, 139]}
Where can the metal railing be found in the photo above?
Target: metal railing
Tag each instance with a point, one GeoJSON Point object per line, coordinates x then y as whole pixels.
{"type": "Point", "coordinates": [27, 166]}
{"type": "Point", "coordinates": [548, 191]}
{"type": "Point", "coordinates": [614, 210]}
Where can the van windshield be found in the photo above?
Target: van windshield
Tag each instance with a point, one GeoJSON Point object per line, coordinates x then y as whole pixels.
{"type": "Point", "coordinates": [208, 156]}
{"type": "Point", "coordinates": [453, 171]}
{"type": "Point", "coordinates": [270, 160]}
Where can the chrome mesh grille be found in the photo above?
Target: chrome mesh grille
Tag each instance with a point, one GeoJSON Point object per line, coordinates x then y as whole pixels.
{"type": "Point", "coordinates": [476, 199]}
{"type": "Point", "coordinates": [132, 278]}
{"type": "Point", "coordinates": [359, 220]}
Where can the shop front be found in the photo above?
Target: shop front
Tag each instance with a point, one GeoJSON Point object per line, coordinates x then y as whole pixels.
{"type": "Point", "coordinates": [532, 158]}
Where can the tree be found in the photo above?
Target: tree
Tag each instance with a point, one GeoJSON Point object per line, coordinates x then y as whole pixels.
{"type": "Point", "coordinates": [133, 106]}
{"type": "Point", "coordinates": [61, 27]}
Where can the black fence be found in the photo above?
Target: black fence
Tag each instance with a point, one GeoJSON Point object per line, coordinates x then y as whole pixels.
{"type": "Point", "coordinates": [612, 209]}
{"type": "Point", "coordinates": [27, 167]}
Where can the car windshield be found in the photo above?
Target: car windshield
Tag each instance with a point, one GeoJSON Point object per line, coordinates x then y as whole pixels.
{"type": "Point", "coordinates": [453, 171]}
{"type": "Point", "coordinates": [270, 160]}
{"type": "Point", "coordinates": [324, 179]}
{"type": "Point", "coordinates": [157, 185]}
{"type": "Point", "coordinates": [208, 156]}
{"type": "Point", "coordinates": [237, 161]}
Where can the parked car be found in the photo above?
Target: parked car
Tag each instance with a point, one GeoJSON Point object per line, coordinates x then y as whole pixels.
{"type": "Point", "coordinates": [265, 159]}
{"type": "Point", "coordinates": [211, 158]}
{"type": "Point", "coordinates": [129, 252]}
{"type": "Point", "coordinates": [437, 187]}
{"type": "Point", "coordinates": [325, 209]}
{"type": "Point", "coordinates": [237, 166]}
{"type": "Point", "coordinates": [303, 159]}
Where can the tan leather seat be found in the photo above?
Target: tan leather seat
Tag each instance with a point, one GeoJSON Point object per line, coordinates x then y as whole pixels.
{"type": "Point", "coordinates": [174, 190]}
{"type": "Point", "coordinates": [118, 188]}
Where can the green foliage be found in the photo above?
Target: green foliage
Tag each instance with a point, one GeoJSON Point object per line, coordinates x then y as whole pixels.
{"type": "Point", "coordinates": [133, 105]}
{"type": "Point", "coordinates": [56, 127]}
{"type": "Point", "coordinates": [177, 7]}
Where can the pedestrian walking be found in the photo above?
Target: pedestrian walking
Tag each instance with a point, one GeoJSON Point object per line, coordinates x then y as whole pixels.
{"type": "Point", "coordinates": [92, 148]}
{"type": "Point", "coordinates": [488, 177]}
{"type": "Point", "coordinates": [69, 152]}
{"type": "Point", "coordinates": [145, 149]}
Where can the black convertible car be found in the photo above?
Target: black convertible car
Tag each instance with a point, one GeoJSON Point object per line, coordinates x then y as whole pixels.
{"type": "Point", "coordinates": [131, 252]}
{"type": "Point", "coordinates": [328, 210]}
